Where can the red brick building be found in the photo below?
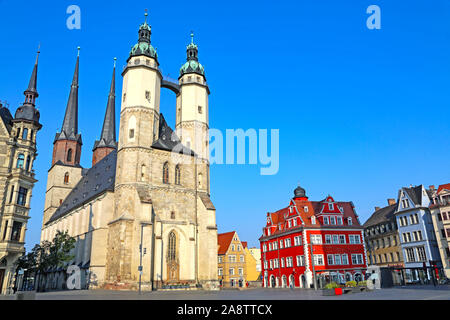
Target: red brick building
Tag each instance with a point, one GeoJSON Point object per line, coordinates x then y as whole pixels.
{"type": "Point", "coordinates": [330, 228]}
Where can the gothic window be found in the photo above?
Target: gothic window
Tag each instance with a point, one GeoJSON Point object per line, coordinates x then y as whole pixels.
{"type": "Point", "coordinates": [172, 250]}
{"type": "Point", "coordinates": [20, 160]}
{"type": "Point", "coordinates": [166, 173]}
{"type": "Point", "coordinates": [172, 215]}
{"type": "Point", "coordinates": [69, 155]}
{"type": "Point", "coordinates": [177, 174]}
{"type": "Point", "coordinates": [24, 134]}
{"type": "Point", "coordinates": [27, 164]}
{"type": "Point", "coordinates": [66, 178]}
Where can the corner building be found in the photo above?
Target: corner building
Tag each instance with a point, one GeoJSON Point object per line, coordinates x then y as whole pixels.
{"type": "Point", "coordinates": [145, 203]}
{"type": "Point", "coordinates": [309, 240]}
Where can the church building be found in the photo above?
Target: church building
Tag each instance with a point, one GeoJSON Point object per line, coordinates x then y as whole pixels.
{"type": "Point", "coordinates": [142, 212]}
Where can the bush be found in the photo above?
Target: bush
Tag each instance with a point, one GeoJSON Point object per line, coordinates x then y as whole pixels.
{"type": "Point", "coordinates": [362, 283]}
{"type": "Point", "coordinates": [331, 285]}
{"type": "Point", "coordinates": [350, 284]}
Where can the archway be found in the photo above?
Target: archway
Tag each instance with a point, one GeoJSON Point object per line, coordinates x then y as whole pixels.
{"type": "Point", "coordinates": [284, 281]}
{"type": "Point", "coordinates": [302, 281]}
{"type": "Point", "coordinates": [272, 282]}
{"type": "Point", "coordinates": [358, 277]}
{"type": "Point", "coordinates": [291, 281]}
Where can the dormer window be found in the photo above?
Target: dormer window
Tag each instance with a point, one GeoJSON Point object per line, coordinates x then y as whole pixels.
{"type": "Point", "coordinates": [349, 221]}
{"type": "Point", "coordinates": [313, 220]}
{"type": "Point", "coordinates": [330, 206]}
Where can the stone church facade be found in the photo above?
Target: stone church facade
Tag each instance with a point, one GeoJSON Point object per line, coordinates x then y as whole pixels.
{"type": "Point", "coordinates": [17, 178]}
{"type": "Point", "coordinates": [143, 210]}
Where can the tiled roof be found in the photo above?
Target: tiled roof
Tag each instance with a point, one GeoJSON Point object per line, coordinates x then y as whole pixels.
{"type": "Point", "coordinates": [98, 179]}
{"type": "Point", "coordinates": [381, 215]}
{"type": "Point", "coordinates": [6, 117]}
{"type": "Point", "coordinates": [224, 240]}
{"type": "Point", "coordinates": [443, 187]}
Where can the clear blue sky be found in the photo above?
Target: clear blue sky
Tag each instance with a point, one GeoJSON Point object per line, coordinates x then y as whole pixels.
{"type": "Point", "coordinates": [361, 112]}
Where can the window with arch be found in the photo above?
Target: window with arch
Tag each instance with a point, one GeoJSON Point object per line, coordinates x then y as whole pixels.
{"type": "Point", "coordinates": [178, 174]}
{"type": "Point", "coordinates": [172, 249]}
{"type": "Point", "coordinates": [69, 155]}
{"type": "Point", "coordinates": [143, 172]}
{"type": "Point", "coordinates": [172, 215]}
{"type": "Point", "coordinates": [20, 160]}
{"type": "Point", "coordinates": [24, 134]}
{"type": "Point", "coordinates": [66, 178]}
{"type": "Point", "coordinates": [166, 172]}
{"type": "Point", "coordinates": [131, 128]}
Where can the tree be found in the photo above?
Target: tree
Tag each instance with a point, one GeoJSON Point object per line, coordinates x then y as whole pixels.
{"type": "Point", "coordinates": [46, 255]}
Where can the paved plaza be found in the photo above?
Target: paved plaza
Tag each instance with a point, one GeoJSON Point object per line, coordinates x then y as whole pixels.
{"type": "Point", "coordinates": [396, 293]}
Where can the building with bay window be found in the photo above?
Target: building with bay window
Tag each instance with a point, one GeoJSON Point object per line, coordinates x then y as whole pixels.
{"type": "Point", "coordinates": [17, 178]}
{"type": "Point", "coordinates": [307, 240]}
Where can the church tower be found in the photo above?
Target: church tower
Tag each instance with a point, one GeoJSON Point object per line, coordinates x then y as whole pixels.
{"type": "Point", "coordinates": [107, 142]}
{"type": "Point", "coordinates": [65, 171]}
{"type": "Point", "coordinates": [192, 112]}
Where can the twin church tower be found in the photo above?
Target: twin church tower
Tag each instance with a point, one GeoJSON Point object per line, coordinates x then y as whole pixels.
{"type": "Point", "coordinates": [143, 210]}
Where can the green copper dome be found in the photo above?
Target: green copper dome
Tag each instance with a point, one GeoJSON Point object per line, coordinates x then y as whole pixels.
{"type": "Point", "coordinates": [192, 66]}
{"type": "Point", "coordinates": [144, 48]}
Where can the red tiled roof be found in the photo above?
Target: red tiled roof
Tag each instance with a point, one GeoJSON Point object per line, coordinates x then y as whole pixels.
{"type": "Point", "coordinates": [244, 244]}
{"type": "Point", "coordinates": [314, 208]}
{"type": "Point", "coordinates": [443, 186]}
{"type": "Point", "coordinates": [223, 241]}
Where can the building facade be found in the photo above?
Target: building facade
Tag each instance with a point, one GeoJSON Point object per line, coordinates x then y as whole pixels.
{"type": "Point", "coordinates": [312, 241]}
{"type": "Point", "coordinates": [231, 260]}
{"type": "Point", "coordinates": [440, 215]}
{"type": "Point", "coordinates": [382, 240]}
{"type": "Point", "coordinates": [142, 212]}
{"type": "Point", "coordinates": [17, 154]}
{"type": "Point", "coordinates": [416, 233]}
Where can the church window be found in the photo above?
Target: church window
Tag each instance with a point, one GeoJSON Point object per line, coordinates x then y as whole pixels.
{"type": "Point", "coordinates": [177, 175]}
{"type": "Point", "coordinates": [200, 109]}
{"type": "Point", "coordinates": [166, 172]}
{"type": "Point", "coordinates": [147, 95]}
{"type": "Point", "coordinates": [25, 134]}
{"type": "Point", "coordinates": [172, 250]}
{"type": "Point", "coordinates": [69, 155]}
{"type": "Point", "coordinates": [143, 172]}
{"type": "Point", "coordinates": [131, 133]}
{"type": "Point", "coordinates": [172, 215]}
{"type": "Point", "coordinates": [66, 178]}
{"type": "Point", "coordinates": [20, 160]}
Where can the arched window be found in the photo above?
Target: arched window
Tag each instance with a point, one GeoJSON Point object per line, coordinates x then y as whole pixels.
{"type": "Point", "coordinates": [172, 215]}
{"type": "Point", "coordinates": [24, 134]}
{"type": "Point", "coordinates": [172, 249]}
{"type": "Point", "coordinates": [143, 172]}
{"type": "Point", "coordinates": [66, 178]}
{"type": "Point", "coordinates": [69, 155]}
{"type": "Point", "coordinates": [27, 164]}
{"type": "Point", "coordinates": [177, 174]}
{"type": "Point", "coordinates": [166, 173]}
{"type": "Point", "coordinates": [20, 160]}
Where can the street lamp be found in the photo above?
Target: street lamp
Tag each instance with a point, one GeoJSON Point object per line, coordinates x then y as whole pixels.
{"type": "Point", "coordinates": [140, 253]}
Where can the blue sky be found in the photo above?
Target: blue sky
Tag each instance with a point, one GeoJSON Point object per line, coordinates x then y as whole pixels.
{"type": "Point", "coordinates": [361, 112]}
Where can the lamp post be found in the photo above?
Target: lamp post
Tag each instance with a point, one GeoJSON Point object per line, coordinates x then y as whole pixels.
{"type": "Point", "coordinates": [140, 254]}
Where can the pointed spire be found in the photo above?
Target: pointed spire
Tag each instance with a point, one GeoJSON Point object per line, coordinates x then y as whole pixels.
{"type": "Point", "coordinates": [31, 93]}
{"type": "Point", "coordinates": [70, 124]}
{"type": "Point", "coordinates": [109, 123]}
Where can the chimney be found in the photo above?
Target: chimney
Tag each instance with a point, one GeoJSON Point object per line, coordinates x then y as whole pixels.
{"type": "Point", "coordinates": [391, 201]}
{"type": "Point", "coordinates": [431, 188]}
{"type": "Point", "coordinates": [377, 208]}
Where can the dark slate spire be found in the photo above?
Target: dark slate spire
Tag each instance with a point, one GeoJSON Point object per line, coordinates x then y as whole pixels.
{"type": "Point", "coordinates": [108, 136]}
{"type": "Point", "coordinates": [69, 129]}
{"type": "Point", "coordinates": [192, 65]}
{"type": "Point", "coordinates": [28, 111]}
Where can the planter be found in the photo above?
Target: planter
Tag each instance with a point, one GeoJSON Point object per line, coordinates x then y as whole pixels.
{"type": "Point", "coordinates": [328, 292]}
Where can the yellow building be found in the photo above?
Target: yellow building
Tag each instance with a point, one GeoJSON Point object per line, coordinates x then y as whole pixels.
{"type": "Point", "coordinates": [231, 260]}
{"type": "Point", "coordinates": [251, 264]}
